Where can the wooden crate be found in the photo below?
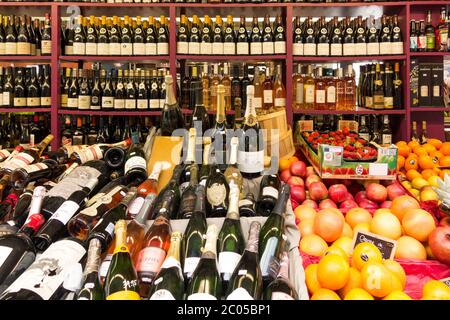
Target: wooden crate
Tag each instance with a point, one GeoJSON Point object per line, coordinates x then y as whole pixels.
{"type": "Point", "coordinates": [286, 143]}
{"type": "Point", "coordinates": [274, 120]}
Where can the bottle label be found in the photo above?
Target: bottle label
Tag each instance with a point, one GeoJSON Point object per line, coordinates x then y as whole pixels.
{"type": "Point", "coordinates": [323, 49]}
{"type": "Point", "coordinates": [299, 93]}
{"type": "Point", "coordinates": [268, 255]}
{"type": "Point", "coordinates": [278, 295]}
{"type": "Point", "coordinates": [257, 102]}
{"type": "Point", "coordinates": [424, 91]}
{"type": "Point", "coordinates": [124, 295]}
{"type": "Point", "coordinates": [386, 48]}
{"type": "Point", "coordinates": [136, 162]}
{"type": "Point", "coordinates": [227, 263]}
{"type": "Point", "coordinates": [229, 48]}
{"type": "Point", "coordinates": [422, 42]}
{"type": "Point", "coordinates": [280, 102]}
{"type": "Point", "coordinates": [163, 48]}
{"type": "Point", "coordinates": [201, 296]}
{"type": "Point", "coordinates": [6, 98]}
{"type": "Point", "coordinates": [107, 102]}
{"type": "Point", "coordinates": [217, 48]}
{"type": "Point", "coordinates": [194, 48]}
{"type": "Point", "coordinates": [84, 102]}
{"type": "Point", "coordinates": [268, 96]}
{"type": "Point", "coordinates": [280, 47]}
{"type": "Point", "coordinates": [20, 102]}
{"type": "Point", "coordinates": [190, 264]}
{"type": "Point", "coordinates": [142, 104]}
{"type": "Point", "coordinates": [256, 48]}
{"type": "Point", "coordinates": [150, 49]}
{"type": "Point", "coordinates": [4, 254]}
{"type": "Point", "coordinates": [251, 162]}
{"type": "Point", "coordinates": [150, 259]}
{"type": "Point", "coordinates": [126, 49]}
{"type": "Point", "coordinates": [389, 102]}
{"type": "Point", "coordinates": [436, 91]}
{"type": "Point", "coordinates": [320, 96]}
{"type": "Point", "coordinates": [135, 206]}
{"type": "Point", "coordinates": [349, 49]}
{"type": "Point", "coordinates": [162, 294]}
{"type": "Point", "coordinates": [46, 101]}
{"type": "Point", "coordinates": [35, 167]}
{"type": "Point", "coordinates": [104, 267]}
{"type": "Point", "coordinates": [72, 103]}
{"type": "Point", "coordinates": [2, 48]}
{"type": "Point", "coordinates": [114, 49]}
{"type": "Point", "coordinates": [309, 49]}
{"type": "Point", "coordinates": [336, 49]}
{"type": "Point", "coordinates": [79, 48]}
{"type": "Point", "coordinates": [309, 93]}
{"type": "Point", "coordinates": [365, 136]}
{"type": "Point", "coordinates": [216, 194]}
{"type": "Point", "coordinates": [369, 102]}
{"type": "Point", "coordinates": [240, 294]}
{"type": "Point", "coordinates": [331, 94]}
{"type": "Point", "coordinates": [65, 212]}
{"type": "Point", "coordinates": [171, 262]}
{"type": "Point", "coordinates": [297, 49]}
{"type": "Point", "coordinates": [119, 103]}
{"type": "Point", "coordinates": [397, 47]}
{"type": "Point", "coordinates": [242, 48]}
{"type": "Point", "coordinates": [268, 48]}
{"type": "Point", "coordinates": [103, 49]}
{"type": "Point", "coordinates": [270, 191]}
{"type": "Point", "coordinates": [206, 48]}
{"type": "Point", "coordinates": [91, 49]}
{"type": "Point", "coordinates": [360, 49]}
{"type": "Point", "coordinates": [21, 160]}
{"type": "Point", "coordinates": [154, 103]}
{"type": "Point", "coordinates": [46, 46]}
{"type": "Point", "coordinates": [4, 154]}
{"type": "Point", "coordinates": [431, 40]}
{"type": "Point", "coordinates": [139, 48]}
{"type": "Point", "coordinates": [35, 101]}
{"type": "Point", "coordinates": [23, 48]}
{"type": "Point", "coordinates": [130, 103]}
{"type": "Point", "coordinates": [90, 153]}
{"type": "Point", "coordinates": [182, 47]}
{"type": "Point", "coordinates": [386, 138]}
{"type": "Point", "coordinates": [50, 269]}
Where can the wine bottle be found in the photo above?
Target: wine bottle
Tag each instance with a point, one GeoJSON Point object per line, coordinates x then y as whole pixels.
{"type": "Point", "coordinates": [44, 278]}
{"type": "Point", "coordinates": [206, 283]}
{"type": "Point", "coordinates": [205, 170]}
{"type": "Point", "coordinates": [194, 234]}
{"type": "Point", "coordinates": [187, 204]}
{"type": "Point", "coordinates": [217, 191]}
{"type": "Point", "coordinates": [219, 134]}
{"type": "Point", "coordinates": [91, 288]}
{"type": "Point", "coordinates": [171, 117]}
{"type": "Point", "coordinates": [246, 280]}
{"type": "Point", "coordinates": [121, 281]}
{"type": "Point", "coordinates": [200, 114]}
{"type": "Point", "coordinates": [47, 169]}
{"type": "Point", "coordinates": [281, 288]}
{"type": "Point", "coordinates": [268, 195]}
{"type": "Point", "coordinates": [135, 168]}
{"type": "Point", "coordinates": [230, 241]}
{"type": "Point", "coordinates": [150, 258]}
{"type": "Point", "coordinates": [251, 142]}
{"type": "Point", "coordinates": [232, 173]}
{"type": "Point", "coordinates": [189, 160]}
{"type": "Point", "coordinates": [169, 283]}
{"type": "Point", "coordinates": [169, 197]}
{"type": "Point", "coordinates": [247, 206]}
{"type": "Point", "coordinates": [271, 233]}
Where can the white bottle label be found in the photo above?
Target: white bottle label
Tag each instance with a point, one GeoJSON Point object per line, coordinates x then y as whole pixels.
{"type": "Point", "coordinates": [206, 48]}
{"type": "Point", "coordinates": [256, 48]}
{"type": "Point", "coordinates": [386, 138]}
{"type": "Point", "coordinates": [154, 103]}
{"type": "Point", "coordinates": [190, 264]}
{"type": "Point", "coordinates": [103, 271]}
{"type": "Point", "coordinates": [84, 102]}
{"type": "Point", "coordinates": [227, 263]}
{"type": "Point", "coordinates": [268, 48]}
{"type": "Point", "coordinates": [216, 194]}
{"type": "Point", "coordinates": [126, 49]}
{"type": "Point", "coordinates": [50, 269]}
{"type": "Point", "coordinates": [110, 229]}
{"type": "Point", "coordinates": [360, 49]}
{"type": "Point", "coordinates": [270, 191]}
{"type": "Point", "coordinates": [268, 96]}
{"type": "Point", "coordinates": [331, 94]}
{"type": "Point", "coordinates": [114, 49]}
{"type": "Point", "coordinates": [323, 49]}
{"type": "Point", "coordinates": [349, 49]}
{"type": "Point", "coordinates": [373, 48]}
{"type": "Point", "coordinates": [397, 47]}
{"type": "Point", "coordinates": [297, 49]}
{"type": "Point", "coordinates": [6, 98]}
{"type": "Point", "coordinates": [194, 48]}
{"type": "Point", "coordinates": [134, 163]}
{"type": "Point", "coordinates": [240, 294]}
{"type": "Point", "coordinates": [103, 49]}
{"type": "Point", "coordinates": [135, 206]}
{"type": "Point", "coordinates": [320, 96]}
{"type": "Point", "coordinates": [251, 162]}
{"type": "Point", "coordinates": [46, 46]}
{"type": "Point", "coordinates": [424, 91]}
{"type": "Point", "coordinates": [268, 255]}
{"type": "Point", "coordinates": [162, 48]}
{"type": "Point", "coordinates": [299, 93]}
{"type": "Point", "coordinates": [91, 49]}
{"type": "Point", "coordinates": [107, 102]}
{"type": "Point", "coordinates": [229, 48]}
{"type": "Point", "coordinates": [130, 104]}
{"type": "Point", "coordinates": [182, 47]}
{"type": "Point", "coordinates": [4, 254]}
{"type": "Point", "coordinates": [280, 47]}
{"type": "Point", "coordinates": [151, 49]}
{"type": "Point", "coordinates": [162, 294]}
{"type": "Point", "coordinates": [142, 104]}
{"type": "Point", "coordinates": [71, 103]}
{"type": "Point", "coordinates": [23, 48]}
{"type": "Point", "coordinates": [309, 93]}
{"type": "Point", "coordinates": [79, 48]}
{"type": "Point", "coordinates": [119, 103]}
{"type": "Point", "coordinates": [65, 212]}
{"type": "Point", "coordinates": [150, 259]}
{"type": "Point", "coordinates": [2, 48]}
{"type": "Point", "coordinates": [309, 49]}
{"type": "Point", "coordinates": [386, 48]}
{"type": "Point", "coordinates": [242, 48]}
{"type": "Point", "coordinates": [279, 102]}
{"type": "Point", "coordinates": [35, 167]}
{"type": "Point", "coordinates": [278, 295]}
{"type": "Point", "coordinates": [217, 48]}
{"type": "Point", "coordinates": [336, 49]}
{"type": "Point", "coordinates": [201, 296]}
{"type": "Point", "coordinates": [21, 160]}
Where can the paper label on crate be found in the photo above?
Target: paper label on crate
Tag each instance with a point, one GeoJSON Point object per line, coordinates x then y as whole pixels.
{"type": "Point", "coordinates": [387, 246]}
{"type": "Point", "coordinates": [305, 125]}
{"type": "Point", "coordinates": [332, 156]}
{"type": "Point", "coordinates": [378, 169]}
{"type": "Point", "coordinates": [350, 124]}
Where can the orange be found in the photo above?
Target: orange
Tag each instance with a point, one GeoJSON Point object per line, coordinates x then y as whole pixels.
{"type": "Point", "coordinates": [411, 174]}
{"type": "Point", "coordinates": [411, 163]}
{"type": "Point", "coordinates": [347, 231]}
{"type": "Point", "coordinates": [420, 151]}
{"type": "Point", "coordinates": [445, 149]}
{"type": "Point", "coordinates": [429, 147]}
{"type": "Point", "coordinates": [413, 155]}
{"type": "Point", "coordinates": [387, 225]}
{"type": "Point", "coordinates": [304, 212]}
{"type": "Point", "coordinates": [437, 171]}
{"type": "Point", "coordinates": [418, 224]}
{"type": "Point", "coordinates": [358, 294]}
{"type": "Point", "coordinates": [436, 156]}
{"type": "Point", "coordinates": [443, 172]}
{"type": "Point", "coordinates": [427, 173]}
{"type": "Point", "coordinates": [354, 281]}
{"type": "Point", "coordinates": [325, 294]}
{"type": "Point", "coordinates": [412, 144]}
{"type": "Point", "coordinates": [444, 161]}
{"type": "Point", "coordinates": [378, 280]}
{"type": "Point", "coordinates": [435, 142]}
{"type": "Point", "coordinates": [401, 143]}
{"type": "Point", "coordinates": [357, 215]}
{"type": "Point", "coordinates": [404, 150]}
{"type": "Point", "coordinates": [306, 227]}
{"type": "Point", "coordinates": [426, 162]}
{"type": "Point", "coordinates": [397, 295]}
{"type": "Point", "coordinates": [410, 248]}
{"type": "Point", "coordinates": [435, 290]}
{"type": "Point", "coordinates": [401, 204]}
{"type": "Point", "coordinates": [329, 224]}
{"type": "Point", "coordinates": [313, 245]}
{"type": "Point", "coordinates": [293, 159]}
{"type": "Point", "coordinates": [362, 227]}
{"type": "Point", "coordinates": [345, 243]}
{"type": "Point", "coordinates": [284, 164]}
{"type": "Point", "coordinates": [395, 267]}
{"type": "Point", "coordinates": [333, 272]}
{"type": "Point", "coordinates": [364, 253]}
{"type": "Point", "coordinates": [336, 250]}
{"type": "Point", "coordinates": [400, 162]}
{"type": "Point", "coordinates": [311, 278]}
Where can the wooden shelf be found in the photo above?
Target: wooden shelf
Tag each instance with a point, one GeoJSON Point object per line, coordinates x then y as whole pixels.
{"type": "Point", "coordinates": [429, 54]}
{"type": "Point", "coordinates": [232, 57]}
{"type": "Point", "coordinates": [26, 58]}
{"type": "Point", "coordinates": [432, 2]}
{"type": "Point", "coordinates": [109, 113]}
{"type": "Point", "coordinates": [28, 4]}
{"type": "Point", "coordinates": [114, 58]}
{"type": "Point", "coordinates": [15, 110]}
{"type": "Point", "coordinates": [357, 111]}
{"type": "Point", "coordinates": [429, 109]}
{"type": "Point", "coordinates": [349, 58]}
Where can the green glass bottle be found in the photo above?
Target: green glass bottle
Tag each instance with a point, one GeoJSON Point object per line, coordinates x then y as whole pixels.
{"type": "Point", "coordinates": [281, 288]}
{"type": "Point", "coordinates": [91, 288]}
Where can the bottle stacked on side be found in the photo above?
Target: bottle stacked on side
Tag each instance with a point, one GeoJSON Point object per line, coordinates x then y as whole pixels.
{"type": "Point", "coordinates": [113, 89]}
{"type": "Point", "coordinates": [22, 36]}
{"type": "Point", "coordinates": [208, 37]}
{"type": "Point", "coordinates": [424, 36]}
{"type": "Point", "coordinates": [25, 87]}
{"type": "Point", "coordinates": [347, 37]}
{"type": "Point", "coordinates": [270, 93]}
{"type": "Point", "coordinates": [116, 36]}
{"type": "Point", "coordinates": [23, 130]}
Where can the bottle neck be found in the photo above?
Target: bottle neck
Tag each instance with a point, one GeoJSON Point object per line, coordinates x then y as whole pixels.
{"type": "Point", "coordinates": [190, 157]}
{"type": "Point", "coordinates": [210, 248]}
{"type": "Point", "coordinates": [284, 266]}
{"type": "Point", "coordinates": [121, 236]}
{"type": "Point", "coordinates": [206, 152]}
{"type": "Point", "coordinates": [233, 150]}
{"type": "Point", "coordinates": [280, 207]}
{"type": "Point", "coordinates": [157, 168]}
{"type": "Point", "coordinates": [200, 199]}
{"type": "Point", "coordinates": [94, 256]}
{"type": "Point", "coordinates": [175, 244]}
{"type": "Point", "coordinates": [220, 118]}
{"type": "Point", "coordinates": [233, 206]}
{"type": "Point", "coordinates": [170, 94]}
{"type": "Point", "coordinates": [253, 237]}
{"type": "Point", "coordinates": [142, 216]}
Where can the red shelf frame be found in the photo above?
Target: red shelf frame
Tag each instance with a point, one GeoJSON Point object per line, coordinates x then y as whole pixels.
{"type": "Point", "coordinates": [109, 113]}
{"type": "Point", "coordinates": [405, 10]}
{"type": "Point", "coordinates": [430, 109]}
{"type": "Point", "coordinates": [15, 110]}
{"type": "Point", "coordinates": [357, 111]}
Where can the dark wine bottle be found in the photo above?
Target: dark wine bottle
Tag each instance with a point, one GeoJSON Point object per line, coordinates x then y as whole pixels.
{"type": "Point", "coordinates": [171, 117]}
{"type": "Point", "coordinates": [281, 288]}
{"type": "Point", "coordinates": [169, 195]}
{"type": "Point", "coordinates": [246, 280]}
{"type": "Point", "coordinates": [247, 206]}
{"type": "Point", "coordinates": [217, 191]}
{"type": "Point", "coordinates": [135, 168]}
{"type": "Point", "coordinates": [268, 194]}
{"type": "Point", "coordinates": [91, 288]}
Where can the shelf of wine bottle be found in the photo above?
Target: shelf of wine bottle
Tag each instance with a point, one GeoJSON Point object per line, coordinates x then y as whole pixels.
{"type": "Point", "coordinates": [429, 54]}
{"type": "Point", "coordinates": [114, 58]}
{"type": "Point", "coordinates": [16, 110]}
{"type": "Point", "coordinates": [350, 58]}
{"type": "Point", "coordinates": [431, 109]}
{"type": "Point", "coordinates": [356, 111]}
{"type": "Point", "coordinates": [111, 113]}
{"type": "Point", "coordinates": [231, 57]}
{"type": "Point", "coordinates": [25, 58]}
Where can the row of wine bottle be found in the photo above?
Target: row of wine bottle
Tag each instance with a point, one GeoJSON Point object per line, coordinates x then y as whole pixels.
{"type": "Point", "coordinates": [23, 129]}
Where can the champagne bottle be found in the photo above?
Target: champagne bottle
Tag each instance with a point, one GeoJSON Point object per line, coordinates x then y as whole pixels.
{"type": "Point", "coordinates": [169, 283]}
{"type": "Point", "coordinates": [206, 283]}
{"type": "Point", "coordinates": [219, 134]}
{"type": "Point", "coordinates": [268, 195]}
{"type": "Point", "coordinates": [232, 173]}
{"type": "Point", "coordinates": [171, 117]}
{"type": "Point", "coordinates": [217, 191]}
{"type": "Point", "coordinates": [271, 233]}
{"type": "Point", "coordinates": [91, 288]}
{"type": "Point", "coordinates": [247, 206]}
{"type": "Point", "coordinates": [135, 168]}
{"type": "Point", "coordinates": [230, 241]}
{"type": "Point", "coordinates": [194, 234]}
{"type": "Point", "coordinates": [246, 280]}
{"type": "Point", "coordinates": [205, 170]}
{"type": "Point", "coordinates": [281, 288]}
{"type": "Point", "coordinates": [121, 281]}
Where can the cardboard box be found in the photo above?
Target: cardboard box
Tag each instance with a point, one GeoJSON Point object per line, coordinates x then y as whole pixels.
{"type": "Point", "coordinates": [424, 85]}
{"type": "Point", "coordinates": [437, 82]}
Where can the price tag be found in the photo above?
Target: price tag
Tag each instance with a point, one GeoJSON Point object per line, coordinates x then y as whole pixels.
{"type": "Point", "coordinates": [446, 281]}
{"type": "Point", "coordinates": [332, 155]}
{"type": "Point", "coordinates": [378, 169]}
{"type": "Point", "coordinates": [387, 246]}
{"type": "Point", "coordinates": [305, 125]}
{"type": "Point", "coordinates": [350, 124]}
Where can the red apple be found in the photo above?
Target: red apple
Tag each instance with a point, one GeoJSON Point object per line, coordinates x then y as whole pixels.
{"type": "Point", "coordinates": [349, 196]}
{"type": "Point", "coordinates": [298, 194]}
{"type": "Point", "coordinates": [338, 192]}
{"type": "Point", "coordinates": [312, 178]}
{"type": "Point", "coordinates": [296, 181]}
{"type": "Point", "coordinates": [294, 204]}
{"type": "Point", "coordinates": [347, 182]}
{"type": "Point", "coordinates": [395, 190]}
{"type": "Point", "coordinates": [346, 205]}
{"type": "Point", "coordinates": [439, 241]}
{"type": "Point", "coordinates": [360, 196]}
{"type": "Point", "coordinates": [386, 204]}
{"type": "Point", "coordinates": [376, 192]}
{"type": "Point", "coordinates": [318, 191]}
{"type": "Point", "coordinates": [298, 168]}
{"type": "Point", "coordinates": [369, 205]}
{"type": "Point", "coordinates": [445, 222]}
{"type": "Point", "coordinates": [310, 171]}
{"type": "Point", "coordinates": [285, 175]}
{"type": "Point", "coordinates": [327, 203]}
{"type": "Point", "coordinates": [310, 203]}
{"type": "Point", "coordinates": [355, 187]}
